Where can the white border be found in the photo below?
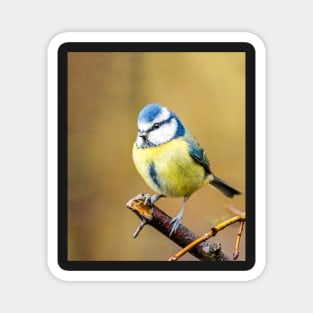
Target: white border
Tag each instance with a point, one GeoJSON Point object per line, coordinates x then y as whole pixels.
{"type": "Point", "coordinates": [52, 147]}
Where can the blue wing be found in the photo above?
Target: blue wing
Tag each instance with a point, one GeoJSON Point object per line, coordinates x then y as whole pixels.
{"type": "Point", "coordinates": [197, 152]}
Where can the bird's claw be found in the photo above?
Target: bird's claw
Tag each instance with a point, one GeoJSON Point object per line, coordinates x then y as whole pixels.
{"type": "Point", "coordinates": [149, 200]}
{"type": "Point", "coordinates": [175, 221]}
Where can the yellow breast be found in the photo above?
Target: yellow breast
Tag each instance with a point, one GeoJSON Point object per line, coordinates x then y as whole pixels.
{"type": "Point", "coordinates": [169, 169]}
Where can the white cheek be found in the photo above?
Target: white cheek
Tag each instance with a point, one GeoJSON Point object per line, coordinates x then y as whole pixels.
{"type": "Point", "coordinates": [163, 134]}
{"type": "Point", "coordinates": [139, 142]}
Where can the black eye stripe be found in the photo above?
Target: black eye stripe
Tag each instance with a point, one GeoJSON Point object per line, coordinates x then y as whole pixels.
{"type": "Point", "coordinates": [159, 124]}
{"type": "Point", "coordinates": [156, 126]}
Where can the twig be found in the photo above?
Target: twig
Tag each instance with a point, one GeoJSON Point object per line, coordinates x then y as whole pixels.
{"type": "Point", "coordinates": [233, 210]}
{"type": "Point", "coordinates": [236, 250]}
{"type": "Point", "coordinates": [139, 228]}
{"type": "Point", "coordinates": [207, 236]}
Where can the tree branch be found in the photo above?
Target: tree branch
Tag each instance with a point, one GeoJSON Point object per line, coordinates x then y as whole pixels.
{"type": "Point", "coordinates": [199, 247]}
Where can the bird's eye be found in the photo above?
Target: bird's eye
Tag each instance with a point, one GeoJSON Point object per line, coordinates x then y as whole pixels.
{"type": "Point", "coordinates": [156, 125]}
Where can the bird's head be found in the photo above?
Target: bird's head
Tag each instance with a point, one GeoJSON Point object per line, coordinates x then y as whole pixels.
{"type": "Point", "coordinates": [157, 125]}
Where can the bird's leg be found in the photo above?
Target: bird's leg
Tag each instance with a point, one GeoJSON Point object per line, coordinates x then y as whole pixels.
{"type": "Point", "coordinates": [149, 200]}
{"type": "Point", "coordinates": [177, 219]}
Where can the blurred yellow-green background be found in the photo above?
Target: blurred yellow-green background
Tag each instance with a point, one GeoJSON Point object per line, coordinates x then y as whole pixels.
{"type": "Point", "coordinates": [106, 91]}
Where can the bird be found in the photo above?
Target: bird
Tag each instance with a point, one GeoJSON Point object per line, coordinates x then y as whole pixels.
{"type": "Point", "coordinates": [170, 160]}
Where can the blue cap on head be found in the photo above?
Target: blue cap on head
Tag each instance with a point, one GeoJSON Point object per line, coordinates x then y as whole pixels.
{"type": "Point", "coordinates": [156, 113]}
{"type": "Point", "coordinates": [149, 112]}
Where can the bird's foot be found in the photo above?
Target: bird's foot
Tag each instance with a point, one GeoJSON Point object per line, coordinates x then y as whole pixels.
{"type": "Point", "coordinates": [149, 200]}
{"type": "Point", "coordinates": [175, 221]}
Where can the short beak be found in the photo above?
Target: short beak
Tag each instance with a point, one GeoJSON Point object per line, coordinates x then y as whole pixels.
{"type": "Point", "coordinates": [142, 133]}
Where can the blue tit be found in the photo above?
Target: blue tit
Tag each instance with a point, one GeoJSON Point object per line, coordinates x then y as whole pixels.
{"type": "Point", "coordinates": [170, 160]}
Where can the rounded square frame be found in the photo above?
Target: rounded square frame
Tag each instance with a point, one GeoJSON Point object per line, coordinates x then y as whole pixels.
{"type": "Point", "coordinates": [56, 236]}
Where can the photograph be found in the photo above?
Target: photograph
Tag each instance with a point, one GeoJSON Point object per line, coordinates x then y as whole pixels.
{"type": "Point", "coordinates": [165, 129]}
